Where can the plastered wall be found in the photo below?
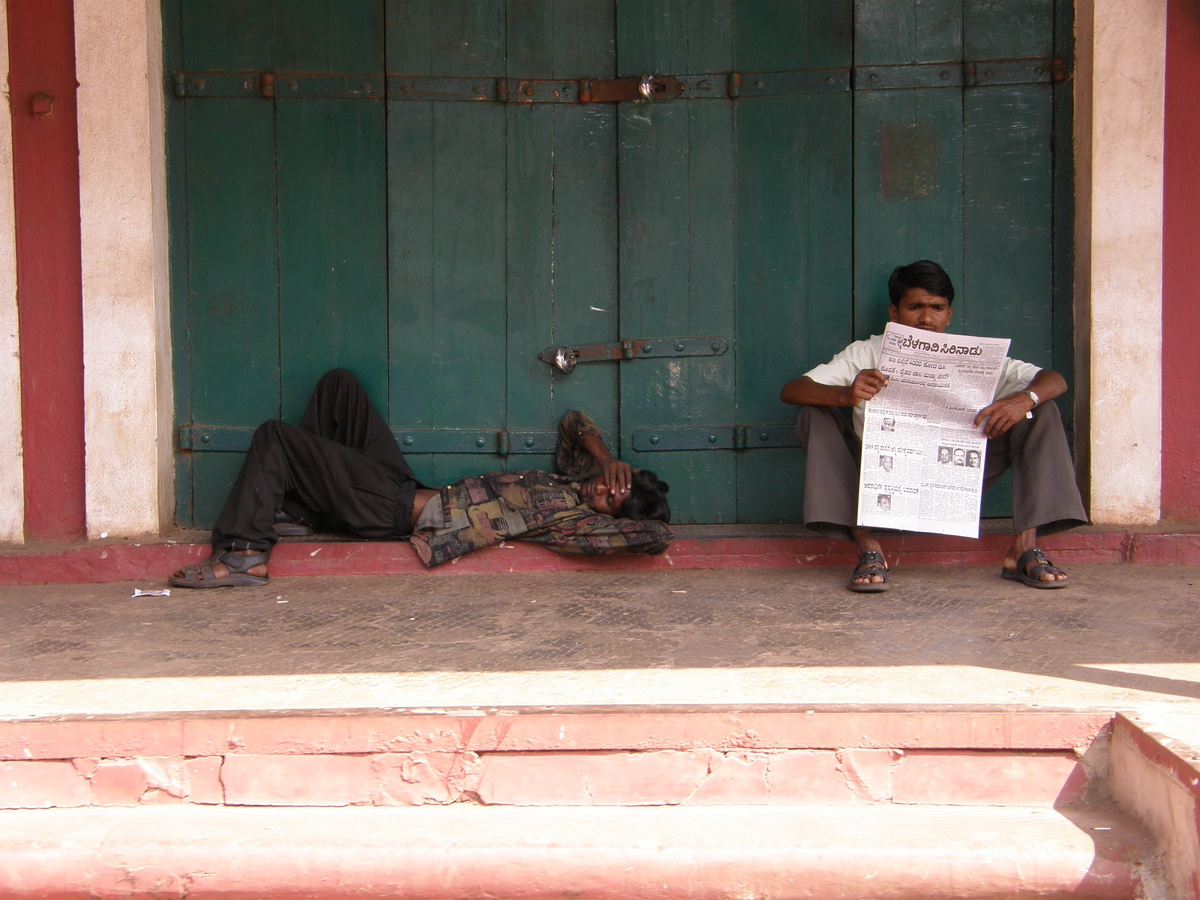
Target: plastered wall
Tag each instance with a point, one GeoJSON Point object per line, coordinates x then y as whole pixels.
{"type": "Point", "coordinates": [126, 337]}
{"type": "Point", "coordinates": [1120, 94]}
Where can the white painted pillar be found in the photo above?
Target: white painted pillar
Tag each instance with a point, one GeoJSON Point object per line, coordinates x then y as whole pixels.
{"type": "Point", "coordinates": [1120, 235]}
{"type": "Point", "coordinates": [12, 474]}
{"type": "Point", "coordinates": [127, 345]}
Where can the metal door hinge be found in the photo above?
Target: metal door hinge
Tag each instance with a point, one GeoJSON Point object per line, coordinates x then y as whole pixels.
{"type": "Point", "coordinates": [976, 73]}
{"type": "Point", "coordinates": [714, 437]}
{"type": "Point", "coordinates": [634, 88]}
{"type": "Point", "coordinates": [565, 358]}
{"type": "Point", "coordinates": [451, 440]}
{"type": "Point", "coordinates": [210, 439]}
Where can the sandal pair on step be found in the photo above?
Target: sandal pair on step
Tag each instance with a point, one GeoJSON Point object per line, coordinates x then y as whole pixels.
{"type": "Point", "coordinates": [201, 575]}
{"type": "Point", "coordinates": [1031, 567]}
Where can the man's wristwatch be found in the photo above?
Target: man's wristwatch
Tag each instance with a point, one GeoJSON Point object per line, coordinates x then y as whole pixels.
{"type": "Point", "coordinates": [1034, 397]}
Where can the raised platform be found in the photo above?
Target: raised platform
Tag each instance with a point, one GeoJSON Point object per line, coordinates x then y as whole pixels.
{"type": "Point", "coordinates": [695, 547]}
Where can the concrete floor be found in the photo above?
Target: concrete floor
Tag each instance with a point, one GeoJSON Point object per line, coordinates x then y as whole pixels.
{"type": "Point", "coordinates": [1121, 637]}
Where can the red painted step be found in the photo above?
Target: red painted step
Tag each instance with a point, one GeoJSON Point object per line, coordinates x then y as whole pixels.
{"type": "Point", "coordinates": [695, 547]}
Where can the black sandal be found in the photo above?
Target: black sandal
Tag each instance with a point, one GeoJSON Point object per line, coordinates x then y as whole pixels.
{"type": "Point", "coordinates": [870, 564]}
{"type": "Point", "coordinates": [288, 525]}
{"type": "Point", "coordinates": [1031, 566]}
{"type": "Point", "coordinates": [201, 575]}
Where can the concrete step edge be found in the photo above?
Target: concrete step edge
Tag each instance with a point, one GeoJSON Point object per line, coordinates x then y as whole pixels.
{"type": "Point", "coordinates": [963, 852]}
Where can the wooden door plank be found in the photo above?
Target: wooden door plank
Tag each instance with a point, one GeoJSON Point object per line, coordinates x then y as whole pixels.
{"type": "Point", "coordinates": [562, 262]}
{"type": "Point", "coordinates": [1008, 219]}
{"type": "Point", "coordinates": [795, 234]}
{"type": "Point", "coordinates": [411, 302]}
{"type": "Point", "coordinates": [677, 247]}
{"type": "Point", "coordinates": [227, 35]}
{"type": "Point", "coordinates": [582, 36]}
{"type": "Point", "coordinates": [332, 271]}
{"type": "Point", "coordinates": [562, 219]}
{"type": "Point", "coordinates": [226, 189]}
{"type": "Point", "coordinates": [676, 222]}
{"type": "Point", "coordinates": [1063, 278]}
{"type": "Point", "coordinates": [1009, 174]}
{"type": "Point", "coordinates": [908, 191]}
{"type": "Point", "coordinates": [447, 263]}
{"type": "Point", "coordinates": [795, 261]}
{"type": "Point", "coordinates": [1008, 30]}
{"type": "Point", "coordinates": [530, 281]}
{"type": "Point", "coordinates": [1008, 247]}
{"type": "Point", "coordinates": [469, 239]}
{"type": "Point", "coordinates": [887, 34]}
{"type": "Point", "coordinates": [710, 389]}
{"type": "Point", "coordinates": [332, 246]}
{"type": "Point", "coordinates": [652, 36]}
{"type": "Point", "coordinates": [445, 37]}
{"type": "Point", "coordinates": [343, 36]}
{"type": "Point", "coordinates": [232, 265]}
{"type": "Point", "coordinates": [782, 35]}
{"type": "Point", "coordinates": [447, 232]}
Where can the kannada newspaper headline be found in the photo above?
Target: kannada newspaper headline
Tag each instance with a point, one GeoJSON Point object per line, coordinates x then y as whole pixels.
{"type": "Point", "coordinates": [922, 456]}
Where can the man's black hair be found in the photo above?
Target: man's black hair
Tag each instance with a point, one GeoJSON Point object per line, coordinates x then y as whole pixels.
{"type": "Point", "coordinates": [647, 498]}
{"type": "Point", "coordinates": [924, 274]}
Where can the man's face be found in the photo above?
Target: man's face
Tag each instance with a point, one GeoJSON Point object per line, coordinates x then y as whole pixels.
{"type": "Point", "coordinates": [597, 495]}
{"type": "Point", "coordinates": [920, 309]}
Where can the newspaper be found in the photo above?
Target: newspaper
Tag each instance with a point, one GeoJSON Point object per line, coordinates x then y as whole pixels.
{"type": "Point", "coordinates": [922, 457]}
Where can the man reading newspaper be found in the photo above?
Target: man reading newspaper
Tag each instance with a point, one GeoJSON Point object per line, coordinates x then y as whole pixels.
{"type": "Point", "coordinates": [1023, 429]}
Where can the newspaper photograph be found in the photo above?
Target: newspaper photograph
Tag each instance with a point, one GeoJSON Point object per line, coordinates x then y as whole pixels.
{"type": "Point", "coordinates": [922, 456]}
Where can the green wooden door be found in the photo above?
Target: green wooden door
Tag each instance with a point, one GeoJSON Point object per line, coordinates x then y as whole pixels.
{"type": "Point", "coordinates": [413, 190]}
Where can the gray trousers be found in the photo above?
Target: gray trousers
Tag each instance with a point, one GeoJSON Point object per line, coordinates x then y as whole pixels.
{"type": "Point", "coordinates": [1045, 495]}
